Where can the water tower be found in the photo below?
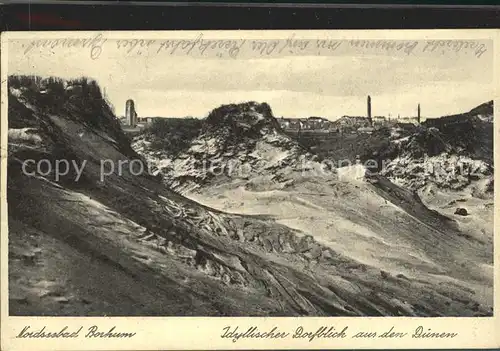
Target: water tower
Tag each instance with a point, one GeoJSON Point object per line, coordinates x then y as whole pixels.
{"type": "Point", "coordinates": [130, 114]}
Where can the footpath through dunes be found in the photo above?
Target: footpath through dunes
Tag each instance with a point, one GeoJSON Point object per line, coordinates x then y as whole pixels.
{"type": "Point", "coordinates": [128, 245]}
{"type": "Point", "coordinates": [370, 221]}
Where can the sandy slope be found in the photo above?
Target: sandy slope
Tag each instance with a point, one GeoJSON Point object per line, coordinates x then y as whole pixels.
{"type": "Point", "coordinates": [355, 221]}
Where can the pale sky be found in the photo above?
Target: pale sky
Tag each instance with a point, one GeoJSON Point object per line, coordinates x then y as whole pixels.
{"type": "Point", "coordinates": [294, 86]}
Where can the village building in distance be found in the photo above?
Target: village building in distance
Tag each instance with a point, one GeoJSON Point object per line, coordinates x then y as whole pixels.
{"type": "Point", "coordinates": [353, 124]}
{"type": "Point", "coordinates": [132, 123]}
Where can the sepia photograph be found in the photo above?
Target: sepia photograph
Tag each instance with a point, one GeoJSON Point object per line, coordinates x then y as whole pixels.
{"type": "Point", "coordinates": [290, 175]}
{"type": "Point", "coordinates": [269, 179]}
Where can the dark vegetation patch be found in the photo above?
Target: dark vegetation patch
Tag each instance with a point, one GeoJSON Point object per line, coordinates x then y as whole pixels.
{"type": "Point", "coordinates": [345, 147]}
{"type": "Point", "coordinates": [80, 100]}
{"type": "Point", "coordinates": [236, 114]}
{"type": "Point", "coordinates": [172, 135]}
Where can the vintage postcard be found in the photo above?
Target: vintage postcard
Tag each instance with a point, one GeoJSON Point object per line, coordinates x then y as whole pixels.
{"type": "Point", "coordinates": [249, 190]}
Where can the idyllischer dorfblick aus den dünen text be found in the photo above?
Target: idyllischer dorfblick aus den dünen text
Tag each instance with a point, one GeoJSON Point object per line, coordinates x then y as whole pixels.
{"type": "Point", "coordinates": [192, 177]}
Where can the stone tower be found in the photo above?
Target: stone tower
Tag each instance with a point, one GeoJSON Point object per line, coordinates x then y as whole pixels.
{"type": "Point", "coordinates": [418, 114]}
{"type": "Point", "coordinates": [130, 114]}
{"type": "Point", "coordinates": [369, 107]}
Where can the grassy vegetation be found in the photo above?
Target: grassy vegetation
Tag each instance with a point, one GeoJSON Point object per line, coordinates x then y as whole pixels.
{"type": "Point", "coordinates": [172, 134]}
{"type": "Point", "coordinates": [78, 99]}
{"type": "Point", "coordinates": [225, 113]}
{"type": "Point", "coordinates": [55, 95]}
{"type": "Point", "coordinates": [348, 146]}
{"type": "Point", "coordinates": [467, 132]}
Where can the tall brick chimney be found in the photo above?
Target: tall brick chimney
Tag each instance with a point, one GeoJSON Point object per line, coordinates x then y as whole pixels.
{"type": "Point", "coordinates": [369, 107]}
{"type": "Point", "coordinates": [418, 114]}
